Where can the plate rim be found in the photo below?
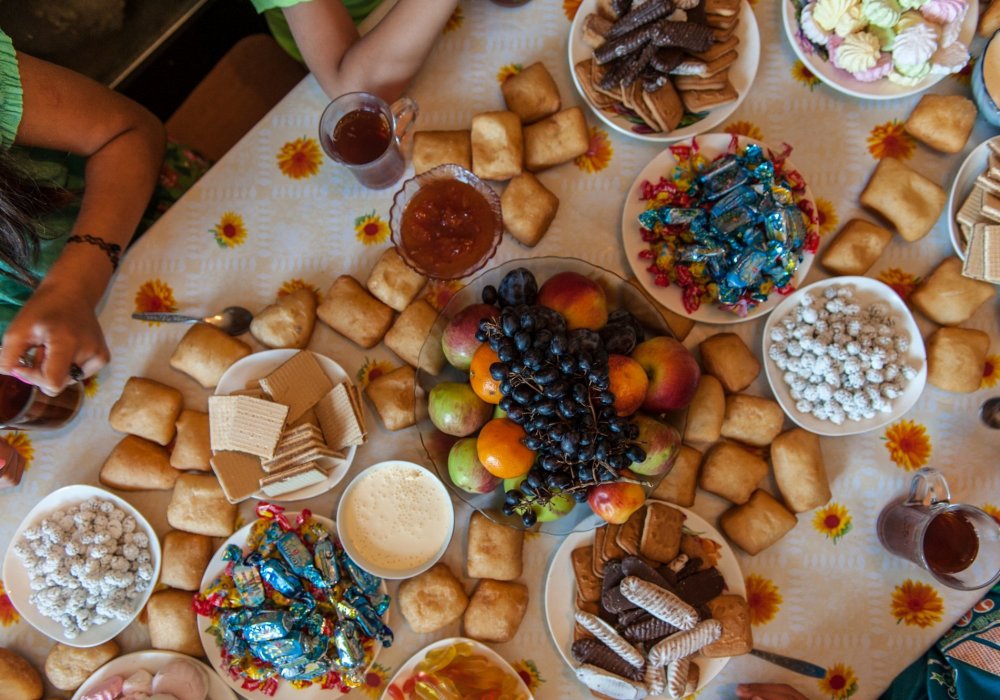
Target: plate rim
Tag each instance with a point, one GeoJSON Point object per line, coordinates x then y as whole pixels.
{"type": "Point", "coordinates": [413, 660]}
{"type": "Point", "coordinates": [280, 356]}
{"type": "Point", "coordinates": [826, 428]}
{"type": "Point", "coordinates": [211, 649]}
{"type": "Point", "coordinates": [670, 296]}
{"type": "Point", "coordinates": [822, 70]}
{"type": "Point", "coordinates": [575, 539]}
{"type": "Point", "coordinates": [74, 493]}
{"type": "Point", "coordinates": [745, 31]}
{"type": "Point", "coordinates": [220, 691]}
{"type": "Point", "coordinates": [960, 188]}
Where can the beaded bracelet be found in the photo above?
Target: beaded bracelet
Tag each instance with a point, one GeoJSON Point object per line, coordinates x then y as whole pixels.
{"type": "Point", "coordinates": [113, 250]}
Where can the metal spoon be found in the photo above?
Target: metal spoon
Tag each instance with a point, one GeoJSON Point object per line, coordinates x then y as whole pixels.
{"type": "Point", "coordinates": [234, 320]}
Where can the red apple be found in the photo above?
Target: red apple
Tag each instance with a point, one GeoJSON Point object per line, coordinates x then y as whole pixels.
{"type": "Point", "coordinates": [458, 341]}
{"type": "Point", "coordinates": [673, 374]}
{"type": "Point", "coordinates": [616, 501]}
{"type": "Point", "coordinates": [628, 382]}
{"type": "Point", "coordinates": [579, 299]}
{"type": "Point", "coordinates": [661, 442]}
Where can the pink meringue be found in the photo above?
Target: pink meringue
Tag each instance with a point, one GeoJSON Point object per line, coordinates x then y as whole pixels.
{"type": "Point", "coordinates": [944, 11]}
{"type": "Point", "coordinates": [182, 679]}
{"type": "Point", "coordinates": [110, 689]}
{"type": "Point", "coordinates": [140, 682]}
{"type": "Point", "coordinates": [880, 70]}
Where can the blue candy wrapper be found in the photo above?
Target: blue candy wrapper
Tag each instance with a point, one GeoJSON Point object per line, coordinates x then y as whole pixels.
{"type": "Point", "coordinates": [248, 585]}
{"type": "Point", "coordinates": [294, 552]}
{"type": "Point", "coordinates": [325, 561]}
{"type": "Point", "coordinates": [350, 653]}
{"type": "Point", "coordinates": [268, 625]}
{"type": "Point", "coordinates": [278, 577]}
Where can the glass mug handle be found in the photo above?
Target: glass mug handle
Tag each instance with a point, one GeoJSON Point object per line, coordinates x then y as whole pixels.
{"type": "Point", "coordinates": [404, 114]}
{"type": "Point", "coordinates": [928, 488]}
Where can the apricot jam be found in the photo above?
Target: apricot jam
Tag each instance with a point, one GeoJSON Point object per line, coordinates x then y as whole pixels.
{"type": "Point", "coordinates": [447, 228]}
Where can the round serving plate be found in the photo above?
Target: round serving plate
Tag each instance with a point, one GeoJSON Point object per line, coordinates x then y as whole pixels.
{"type": "Point", "coordinates": [285, 691]}
{"type": "Point", "coordinates": [741, 74]}
{"type": "Point", "coordinates": [18, 583]}
{"type": "Point", "coordinates": [974, 165]}
{"type": "Point", "coordinates": [560, 590]}
{"type": "Point", "coordinates": [866, 291]}
{"type": "Point", "coordinates": [842, 81]}
{"type": "Point", "coordinates": [261, 364]}
{"type": "Point", "coordinates": [621, 295]}
{"type": "Point", "coordinates": [709, 145]}
{"type": "Point", "coordinates": [152, 660]}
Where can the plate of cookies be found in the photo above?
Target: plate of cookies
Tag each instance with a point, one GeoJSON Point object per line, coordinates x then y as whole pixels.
{"type": "Point", "coordinates": [659, 73]}
{"type": "Point", "coordinates": [654, 607]}
{"type": "Point", "coordinates": [974, 212]}
{"type": "Point", "coordinates": [695, 240]}
{"type": "Point", "coordinates": [270, 642]}
{"type": "Point", "coordinates": [284, 425]}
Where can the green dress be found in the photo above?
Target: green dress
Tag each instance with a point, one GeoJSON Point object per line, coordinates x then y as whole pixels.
{"type": "Point", "coordinates": [181, 169]}
{"type": "Point", "coordinates": [278, 25]}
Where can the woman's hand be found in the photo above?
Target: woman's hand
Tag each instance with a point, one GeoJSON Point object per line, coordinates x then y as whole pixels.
{"type": "Point", "coordinates": [61, 324]}
{"type": "Point", "coordinates": [768, 691]}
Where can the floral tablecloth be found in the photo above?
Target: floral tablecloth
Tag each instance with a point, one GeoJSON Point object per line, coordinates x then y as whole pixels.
{"type": "Point", "coordinates": [274, 215]}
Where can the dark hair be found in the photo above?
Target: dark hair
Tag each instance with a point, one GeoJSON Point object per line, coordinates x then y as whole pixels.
{"type": "Point", "coordinates": [23, 202]}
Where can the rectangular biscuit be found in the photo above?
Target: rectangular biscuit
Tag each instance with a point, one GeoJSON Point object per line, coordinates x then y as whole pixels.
{"type": "Point", "coordinates": [245, 424]}
{"type": "Point", "coordinates": [661, 532]}
{"type": "Point", "coordinates": [631, 531]}
{"type": "Point", "coordinates": [588, 586]}
{"type": "Point", "coordinates": [611, 548]}
{"type": "Point", "coordinates": [299, 383]}
{"type": "Point", "coordinates": [598, 554]}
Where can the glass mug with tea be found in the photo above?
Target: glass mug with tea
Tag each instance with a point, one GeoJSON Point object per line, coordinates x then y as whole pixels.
{"type": "Point", "coordinates": [958, 544]}
{"type": "Point", "coordinates": [26, 407]}
{"type": "Point", "coordinates": [363, 132]}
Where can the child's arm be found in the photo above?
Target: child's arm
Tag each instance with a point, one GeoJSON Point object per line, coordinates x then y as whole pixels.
{"type": "Point", "coordinates": [383, 61]}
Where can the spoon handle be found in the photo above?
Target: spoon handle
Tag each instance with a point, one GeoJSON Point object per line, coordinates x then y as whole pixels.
{"type": "Point", "coordinates": [796, 665]}
{"type": "Point", "coordinates": [164, 317]}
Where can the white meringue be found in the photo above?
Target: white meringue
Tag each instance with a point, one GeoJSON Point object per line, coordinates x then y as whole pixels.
{"type": "Point", "coordinates": [812, 31]}
{"type": "Point", "coordinates": [944, 11]}
{"type": "Point", "coordinates": [841, 17]}
{"type": "Point", "coordinates": [139, 682]}
{"type": "Point", "coordinates": [950, 59]}
{"type": "Point", "coordinates": [859, 52]}
{"type": "Point", "coordinates": [182, 679]}
{"type": "Point", "coordinates": [881, 13]}
{"type": "Point", "coordinates": [914, 45]}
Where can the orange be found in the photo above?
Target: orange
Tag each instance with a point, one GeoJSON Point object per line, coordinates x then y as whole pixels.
{"type": "Point", "coordinates": [501, 451]}
{"type": "Point", "coordinates": [486, 387]}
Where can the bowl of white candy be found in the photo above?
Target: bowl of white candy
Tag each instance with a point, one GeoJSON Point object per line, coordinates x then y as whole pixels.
{"type": "Point", "coordinates": [844, 356]}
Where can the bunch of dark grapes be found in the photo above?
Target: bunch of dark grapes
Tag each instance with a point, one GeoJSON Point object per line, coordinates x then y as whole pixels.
{"type": "Point", "coordinates": [555, 385]}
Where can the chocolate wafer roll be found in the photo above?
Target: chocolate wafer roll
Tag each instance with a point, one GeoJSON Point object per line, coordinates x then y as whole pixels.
{"type": "Point", "coordinates": [682, 644]}
{"type": "Point", "coordinates": [678, 562]}
{"type": "Point", "coordinates": [630, 43]}
{"type": "Point", "coordinates": [647, 12]}
{"type": "Point", "coordinates": [647, 630]}
{"type": "Point", "coordinates": [630, 617]}
{"type": "Point", "coordinates": [613, 574]}
{"type": "Point", "coordinates": [613, 601]}
{"type": "Point", "coordinates": [652, 79]}
{"type": "Point", "coordinates": [660, 602]}
{"type": "Point", "coordinates": [636, 68]}
{"type": "Point", "coordinates": [700, 587]}
{"type": "Point", "coordinates": [677, 676]}
{"type": "Point", "coordinates": [684, 35]}
{"type": "Point", "coordinates": [595, 652]}
{"type": "Point", "coordinates": [656, 679]}
{"type": "Point", "coordinates": [609, 684]}
{"type": "Point", "coordinates": [621, 7]}
{"type": "Point", "coordinates": [666, 59]}
{"type": "Point", "coordinates": [609, 635]}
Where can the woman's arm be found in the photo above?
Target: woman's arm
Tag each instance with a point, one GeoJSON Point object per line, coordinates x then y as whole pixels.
{"type": "Point", "coordinates": [124, 146]}
{"type": "Point", "coordinates": [384, 61]}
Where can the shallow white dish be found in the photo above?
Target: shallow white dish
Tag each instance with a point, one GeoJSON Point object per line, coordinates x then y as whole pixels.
{"type": "Point", "coordinates": [560, 591]}
{"type": "Point", "coordinates": [843, 82]}
{"type": "Point", "coordinates": [285, 690]}
{"type": "Point", "coordinates": [17, 581]}
{"type": "Point", "coordinates": [866, 291]}
{"type": "Point", "coordinates": [975, 164]}
{"type": "Point", "coordinates": [347, 541]}
{"type": "Point", "coordinates": [152, 660]}
{"type": "Point", "coordinates": [407, 668]}
{"type": "Point", "coordinates": [259, 365]}
{"type": "Point", "coordinates": [710, 145]}
{"type": "Point", "coordinates": [741, 74]}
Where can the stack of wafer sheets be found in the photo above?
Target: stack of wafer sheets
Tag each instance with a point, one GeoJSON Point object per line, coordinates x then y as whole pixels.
{"type": "Point", "coordinates": [979, 219]}
{"type": "Point", "coordinates": [285, 432]}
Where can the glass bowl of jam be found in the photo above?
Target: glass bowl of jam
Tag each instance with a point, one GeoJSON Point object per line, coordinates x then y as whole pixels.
{"type": "Point", "coordinates": [446, 222]}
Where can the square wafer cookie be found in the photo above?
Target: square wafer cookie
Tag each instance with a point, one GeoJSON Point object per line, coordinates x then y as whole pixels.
{"type": "Point", "coordinates": [338, 417]}
{"type": "Point", "coordinates": [293, 479]}
{"type": "Point", "coordinates": [239, 474]}
{"type": "Point", "coordinates": [299, 384]}
{"type": "Point", "coordinates": [245, 424]}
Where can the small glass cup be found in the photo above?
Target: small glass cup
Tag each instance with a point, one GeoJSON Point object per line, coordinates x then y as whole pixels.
{"type": "Point", "coordinates": [958, 544]}
{"type": "Point", "coordinates": [363, 132]}
{"type": "Point", "coordinates": [26, 407]}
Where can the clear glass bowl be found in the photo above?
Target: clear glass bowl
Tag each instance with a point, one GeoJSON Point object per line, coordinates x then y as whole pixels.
{"type": "Point", "coordinates": [406, 194]}
{"type": "Point", "coordinates": [621, 295]}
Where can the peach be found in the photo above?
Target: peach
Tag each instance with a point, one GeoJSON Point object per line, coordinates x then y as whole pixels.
{"type": "Point", "coordinates": [673, 373]}
{"type": "Point", "coordinates": [580, 300]}
{"type": "Point", "coordinates": [628, 383]}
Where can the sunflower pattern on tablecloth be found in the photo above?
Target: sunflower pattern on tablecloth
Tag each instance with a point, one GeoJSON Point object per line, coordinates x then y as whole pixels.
{"type": "Point", "coordinates": [901, 282]}
{"type": "Point", "coordinates": [916, 604]}
{"type": "Point", "coordinates": [832, 520]}
{"type": "Point", "coordinates": [839, 682]}
{"type": "Point", "coordinates": [8, 614]}
{"type": "Point", "coordinates": [570, 8]}
{"type": "Point", "coordinates": [300, 158]}
{"type": "Point", "coordinates": [90, 386]}
{"type": "Point", "coordinates": [598, 154]}
{"type": "Point", "coordinates": [826, 216]}
{"type": "Point", "coordinates": [440, 292]}
{"type": "Point", "coordinates": [454, 22]}
{"type": "Point", "coordinates": [230, 231]}
{"type": "Point", "coordinates": [508, 71]}
{"type": "Point", "coordinates": [375, 680]}
{"type": "Point", "coordinates": [528, 671]}
{"type": "Point", "coordinates": [890, 140]}
{"type": "Point", "coordinates": [370, 229]}
{"type": "Point", "coordinates": [803, 75]}
{"type": "Point", "coordinates": [991, 372]}
{"type": "Point", "coordinates": [744, 128]}
{"type": "Point", "coordinates": [372, 369]}
{"type": "Point", "coordinates": [763, 598]}
{"type": "Point", "coordinates": [909, 444]}
{"type": "Point", "coordinates": [22, 443]}
{"type": "Point", "coordinates": [992, 510]}
{"type": "Point", "coordinates": [289, 286]}
{"type": "Point", "coordinates": [155, 296]}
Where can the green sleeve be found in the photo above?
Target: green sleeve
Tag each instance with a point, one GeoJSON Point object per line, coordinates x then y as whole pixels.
{"type": "Point", "coordinates": [264, 5]}
{"type": "Point", "coordinates": [11, 94]}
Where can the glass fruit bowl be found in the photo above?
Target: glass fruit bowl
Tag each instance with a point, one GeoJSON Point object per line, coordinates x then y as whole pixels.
{"type": "Point", "coordinates": [457, 406]}
{"type": "Point", "coordinates": [446, 222]}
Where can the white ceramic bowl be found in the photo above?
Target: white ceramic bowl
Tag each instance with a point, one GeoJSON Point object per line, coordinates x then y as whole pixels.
{"type": "Point", "coordinates": [349, 532]}
{"type": "Point", "coordinates": [17, 581]}
{"type": "Point", "coordinates": [866, 291]}
{"type": "Point", "coordinates": [973, 166]}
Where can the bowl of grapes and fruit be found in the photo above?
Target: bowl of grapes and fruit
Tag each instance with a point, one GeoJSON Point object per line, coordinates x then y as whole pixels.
{"type": "Point", "coordinates": [555, 397]}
